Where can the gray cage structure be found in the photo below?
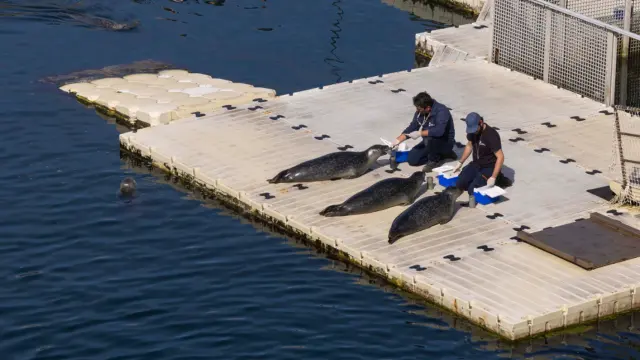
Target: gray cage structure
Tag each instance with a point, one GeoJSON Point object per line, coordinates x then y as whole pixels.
{"type": "Point", "coordinates": [590, 47]}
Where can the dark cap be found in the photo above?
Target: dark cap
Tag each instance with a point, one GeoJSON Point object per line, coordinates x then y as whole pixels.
{"type": "Point", "coordinates": [473, 121]}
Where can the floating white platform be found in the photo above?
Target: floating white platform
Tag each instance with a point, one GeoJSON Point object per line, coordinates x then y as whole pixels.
{"type": "Point", "coordinates": [472, 265]}
{"type": "Point", "coordinates": [169, 95]}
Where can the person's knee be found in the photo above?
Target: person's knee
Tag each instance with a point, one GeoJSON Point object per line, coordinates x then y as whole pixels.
{"type": "Point", "coordinates": [413, 160]}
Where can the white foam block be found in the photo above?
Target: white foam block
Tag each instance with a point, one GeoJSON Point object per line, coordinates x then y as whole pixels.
{"type": "Point", "coordinates": [444, 168]}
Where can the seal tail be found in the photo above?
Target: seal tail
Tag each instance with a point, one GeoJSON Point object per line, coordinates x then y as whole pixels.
{"type": "Point", "coordinates": [278, 178]}
{"type": "Point", "coordinates": [333, 210]}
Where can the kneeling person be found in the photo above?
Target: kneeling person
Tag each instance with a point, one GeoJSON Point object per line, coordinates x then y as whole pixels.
{"type": "Point", "coordinates": [484, 142]}
{"type": "Point", "coordinates": [433, 123]}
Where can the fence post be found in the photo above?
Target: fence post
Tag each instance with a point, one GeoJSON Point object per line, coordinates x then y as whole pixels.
{"type": "Point", "coordinates": [547, 45]}
{"type": "Point", "coordinates": [491, 12]}
{"type": "Point", "coordinates": [624, 58]}
{"type": "Point", "coordinates": [610, 70]}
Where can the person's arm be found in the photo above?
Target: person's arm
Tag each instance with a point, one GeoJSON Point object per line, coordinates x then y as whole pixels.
{"type": "Point", "coordinates": [466, 152]}
{"type": "Point", "coordinates": [413, 126]}
{"type": "Point", "coordinates": [463, 158]}
{"type": "Point", "coordinates": [499, 162]}
{"type": "Point", "coordinates": [440, 124]}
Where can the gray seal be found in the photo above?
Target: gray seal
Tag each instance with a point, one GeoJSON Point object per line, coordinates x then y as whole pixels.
{"type": "Point", "coordinates": [332, 166]}
{"type": "Point", "coordinates": [379, 196]}
{"type": "Point", "coordinates": [128, 187]}
{"type": "Point", "coordinates": [425, 213]}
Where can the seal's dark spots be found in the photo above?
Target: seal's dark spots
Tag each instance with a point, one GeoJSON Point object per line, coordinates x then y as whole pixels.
{"type": "Point", "coordinates": [300, 186]}
{"type": "Point", "coordinates": [519, 131]}
{"type": "Point", "coordinates": [323, 136]}
{"type": "Point", "coordinates": [260, 100]}
{"type": "Point", "coordinates": [417, 267]}
{"type": "Point", "coordinates": [516, 139]}
{"type": "Point", "coordinates": [593, 172]}
{"type": "Point", "coordinates": [229, 107]}
{"type": "Point", "coordinates": [256, 108]}
{"type": "Point", "coordinates": [568, 160]}
{"type": "Point", "coordinates": [521, 228]}
{"type": "Point", "coordinates": [344, 148]}
{"type": "Point", "coordinates": [578, 118]}
{"type": "Point", "coordinates": [451, 257]}
{"type": "Point", "coordinates": [267, 196]}
{"type": "Point", "coordinates": [614, 212]}
{"type": "Point", "coordinates": [375, 82]}
{"type": "Point", "coordinates": [541, 150]}
{"type": "Point", "coordinates": [299, 127]}
{"type": "Point", "coordinates": [548, 124]}
{"type": "Point", "coordinates": [485, 248]}
{"type": "Point", "coordinates": [398, 90]}
{"type": "Point", "coordinates": [198, 114]}
{"type": "Point", "coordinates": [494, 216]}
{"type": "Point", "coordinates": [274, 118]}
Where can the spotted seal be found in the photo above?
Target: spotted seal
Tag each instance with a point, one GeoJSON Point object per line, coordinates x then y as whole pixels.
{"type": "Point", "coordinates": [336, 165]}
{"type": "Point", "coordinates": [379, 196]}
{"type": "Point", "coordinates": [425, 213]}
{"type": "Point", "coordinates": [128, 187]}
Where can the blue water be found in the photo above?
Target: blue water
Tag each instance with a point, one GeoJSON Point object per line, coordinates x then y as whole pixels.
{"type": "Point", "coordinates": [85, 275]}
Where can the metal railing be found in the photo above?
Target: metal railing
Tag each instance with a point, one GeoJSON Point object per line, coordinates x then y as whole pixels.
{"type": "Point", "coordinates": [584, 51]}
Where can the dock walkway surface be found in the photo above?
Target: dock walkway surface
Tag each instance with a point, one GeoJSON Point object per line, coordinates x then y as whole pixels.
{"type": "Point", "coordinates": [473, 265]}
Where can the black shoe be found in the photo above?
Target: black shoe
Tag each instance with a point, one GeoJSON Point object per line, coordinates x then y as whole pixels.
{"type": "Point", "coordinates": [432, 165]}
{"type": "Point", "coordinates": [503, 181]}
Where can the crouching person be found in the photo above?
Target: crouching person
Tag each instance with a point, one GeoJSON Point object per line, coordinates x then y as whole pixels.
{"type": "Point", "coordinates": [483, 142]}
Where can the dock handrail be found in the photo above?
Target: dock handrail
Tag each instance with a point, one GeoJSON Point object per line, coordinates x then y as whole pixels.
{"type": "Point", "coordinates": [587, 19]}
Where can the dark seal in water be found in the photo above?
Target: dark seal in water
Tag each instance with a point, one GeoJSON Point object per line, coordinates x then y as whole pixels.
{"type": "Point", "coordinates": [337, 165]}
{"type": "Point", "coordinates": [379, 196]}
{"type": "Point", "coordinates": [425, 213]}
{"type": "Point", "coordinates": [128, 187]}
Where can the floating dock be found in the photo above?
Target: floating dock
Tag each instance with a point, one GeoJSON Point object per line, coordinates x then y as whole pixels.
{"type": "Point", "coordinates": [498, 265]}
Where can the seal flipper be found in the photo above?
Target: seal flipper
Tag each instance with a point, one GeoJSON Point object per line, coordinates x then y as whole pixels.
{"type": "Point", "coordinates": [333, 210]}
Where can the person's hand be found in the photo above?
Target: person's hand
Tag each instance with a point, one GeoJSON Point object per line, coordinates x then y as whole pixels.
{"type": "Point", "coordinates": [458, 167]}
{"type": "Point", "coordinates": [395, 143]}
{"type": "Point", "coordinates": [491, 182]}
{"type": "Point", "coordinates": [414, 134]}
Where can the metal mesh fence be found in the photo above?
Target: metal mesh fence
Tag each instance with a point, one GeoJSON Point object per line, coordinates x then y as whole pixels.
{"type": "Point", "coordinates": [563, 50]}
{"type": "Point", "coordinates": [568, 51]}
{"type": "Point", "coordinates": [626, 153]}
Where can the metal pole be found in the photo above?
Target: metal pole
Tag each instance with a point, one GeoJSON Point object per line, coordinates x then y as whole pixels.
{"type": "Point", "coordinates": [610, 69]}
{"type": "Point", "coordinates": [547, 45]}
{"type": "Point", "coordinates": [624, 56]}
{"type": "Point", "coordinates": [492, 41]}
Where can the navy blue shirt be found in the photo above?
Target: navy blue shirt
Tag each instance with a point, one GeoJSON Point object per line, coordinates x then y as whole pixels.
{"type": "Point", "coordinates": [439, 123]}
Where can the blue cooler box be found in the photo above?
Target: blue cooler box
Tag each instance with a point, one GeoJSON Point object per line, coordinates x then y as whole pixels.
{"type": "Point", "coordinates": [486, 199]}
{"type": "Point", "coordinates": [443, 181]}
{"type": "Point", "coordinates": [402, 156]}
